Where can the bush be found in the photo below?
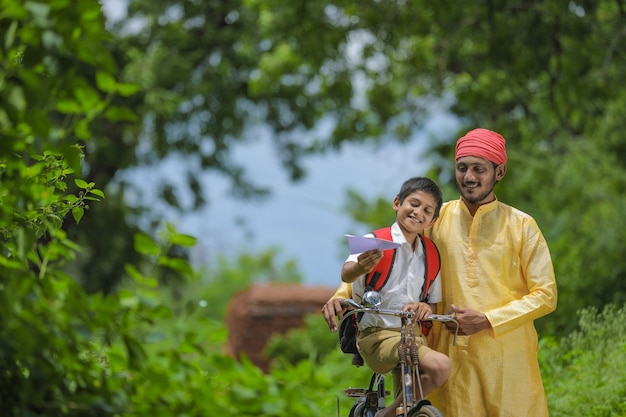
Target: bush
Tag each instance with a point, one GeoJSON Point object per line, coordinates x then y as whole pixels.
{"type": "Point", "coordinates": [583, 373]}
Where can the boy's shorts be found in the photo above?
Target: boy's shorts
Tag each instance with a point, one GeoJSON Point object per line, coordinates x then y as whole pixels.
{"type": "Point", "coordinates": [379, 348]}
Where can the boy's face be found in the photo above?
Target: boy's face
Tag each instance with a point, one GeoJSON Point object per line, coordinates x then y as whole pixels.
{"type": "Point", "coordinates": [416, 213]}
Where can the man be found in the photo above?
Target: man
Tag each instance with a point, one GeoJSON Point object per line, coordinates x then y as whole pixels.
{"type": "Point", "coordinates": [497, 277]}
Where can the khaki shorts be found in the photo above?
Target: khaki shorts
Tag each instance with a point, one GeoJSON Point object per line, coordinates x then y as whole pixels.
{"type": "Point", "coordinates": [379, 348]}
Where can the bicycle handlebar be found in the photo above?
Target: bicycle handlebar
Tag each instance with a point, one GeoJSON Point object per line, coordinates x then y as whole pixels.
{"type": "Point", "coordinates": [397, 313]}
{"type": "Point", "coordinates": [358, 308]}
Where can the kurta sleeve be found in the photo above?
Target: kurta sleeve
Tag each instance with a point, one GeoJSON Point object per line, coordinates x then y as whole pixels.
{"type": "Point", "coordinates": [535, 267]}
{"type": "Point", "coordinates": [343, 291]}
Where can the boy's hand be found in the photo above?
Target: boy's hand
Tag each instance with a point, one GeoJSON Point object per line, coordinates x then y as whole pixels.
{"type": "Point", "coordinates": [368, 260]}
{"type": "Point", "coordinates": [421, 310]}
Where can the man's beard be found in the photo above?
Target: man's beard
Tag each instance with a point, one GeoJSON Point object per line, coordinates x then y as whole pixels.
{"type": "Point", "coordinates": [476, 199]}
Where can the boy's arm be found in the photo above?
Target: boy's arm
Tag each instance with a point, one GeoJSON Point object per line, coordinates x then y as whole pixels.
{"type": "Point", "coordinates": [364, 264]}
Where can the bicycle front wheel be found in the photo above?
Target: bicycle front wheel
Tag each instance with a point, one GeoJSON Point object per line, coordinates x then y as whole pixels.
{"type": "Point", "coordinates": [357, 408]}
{"type": "Point", "coordinates": [424, 411]}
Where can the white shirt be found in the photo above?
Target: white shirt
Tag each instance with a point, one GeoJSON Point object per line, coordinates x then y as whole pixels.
{"type": "Point", "coordinates": [403, 286]}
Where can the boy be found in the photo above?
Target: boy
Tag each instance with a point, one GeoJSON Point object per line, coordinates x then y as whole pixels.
{"type": "Point", "coordinates": [417, 207]}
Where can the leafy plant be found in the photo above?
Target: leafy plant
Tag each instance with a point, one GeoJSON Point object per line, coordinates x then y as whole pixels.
{"type": "Point", "coordinates": [582, 371]}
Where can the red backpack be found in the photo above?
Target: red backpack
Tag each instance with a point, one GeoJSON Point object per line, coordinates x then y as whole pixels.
{"type": "Point", "coordinates": [376, 279]}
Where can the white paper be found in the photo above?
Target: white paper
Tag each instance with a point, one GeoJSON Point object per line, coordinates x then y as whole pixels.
{"type": "Point", "coordinates": [359, 244]}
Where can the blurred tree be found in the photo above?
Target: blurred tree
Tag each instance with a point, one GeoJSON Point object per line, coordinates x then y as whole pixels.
{"type": "Point", "coordinates": [315, 75]}
{"type": "Point", "coordinates": [55, 78]}
{"type": "Point", "coordinates": [542, 73]}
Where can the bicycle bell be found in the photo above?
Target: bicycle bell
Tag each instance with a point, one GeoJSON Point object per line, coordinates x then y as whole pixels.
{"type": "Point", "coordinates": [372, 299]}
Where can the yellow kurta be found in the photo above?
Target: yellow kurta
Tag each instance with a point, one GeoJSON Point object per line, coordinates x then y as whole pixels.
{"type": "Point", "coordinates": [496, 262]}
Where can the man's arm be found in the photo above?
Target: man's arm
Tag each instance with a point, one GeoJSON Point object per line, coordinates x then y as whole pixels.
{"type": "Point", "coordinates": [539, 299]}
{"type": "Point", "coordinates": [333, 309]}
{"type": "Point", "coordinates": [538, 273]}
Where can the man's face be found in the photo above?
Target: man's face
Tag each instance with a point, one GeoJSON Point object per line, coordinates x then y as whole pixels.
{"type": "Point", "coordinates": [476, 177]}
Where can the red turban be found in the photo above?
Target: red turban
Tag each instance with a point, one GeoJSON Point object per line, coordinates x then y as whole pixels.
{"type": "Point", "coordinates": [482, 143]}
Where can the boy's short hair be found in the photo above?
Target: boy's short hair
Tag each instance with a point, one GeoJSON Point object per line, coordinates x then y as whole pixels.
{"type": "Point", "coordinates": [422, 184]}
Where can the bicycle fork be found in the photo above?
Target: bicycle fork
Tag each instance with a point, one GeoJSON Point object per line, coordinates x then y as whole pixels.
{"type": "Point", "coordinates": [409, 364]}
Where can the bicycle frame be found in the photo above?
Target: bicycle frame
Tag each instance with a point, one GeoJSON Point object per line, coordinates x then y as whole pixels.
{"type": "Point", "coordinates": [412, 405]}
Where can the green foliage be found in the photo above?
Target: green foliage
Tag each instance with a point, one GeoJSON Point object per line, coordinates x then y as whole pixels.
{"type": "Point", "coordinates": [583, 235]}
{"type": "Point", "coordinates": [57, 84]}
{"type": "Point", "coordinates": [313, 343]}
{"type": "Point", "coordinates": [582, 371]}
{"type": "Point", "coordinates": [47, 324]}
{"type": "Point", "coordinates": [375, 214]}
{"type": "Point", "coordinates": [542, 72]}
{"type": "Point", "coordinates": [56, 75]}
{"type": "Point", "coordinates": [227, 277]}
{"type": "Point", "coordinates": [193, 80]}
{"type": "Point", "coordinates": [314, 349]}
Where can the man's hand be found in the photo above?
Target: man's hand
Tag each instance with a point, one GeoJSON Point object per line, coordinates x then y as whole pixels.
{"type": "Point", "coordinates": [470, 321]}
{"type": "Point", "coordinates": [332, 311]}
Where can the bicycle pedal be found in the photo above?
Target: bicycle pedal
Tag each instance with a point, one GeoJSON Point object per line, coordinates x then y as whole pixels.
{"type": "Point", "coordinates": [355, 392]}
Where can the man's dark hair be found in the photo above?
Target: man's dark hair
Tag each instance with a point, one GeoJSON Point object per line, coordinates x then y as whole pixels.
{"type": "Point", "coordinates": [422, 184]}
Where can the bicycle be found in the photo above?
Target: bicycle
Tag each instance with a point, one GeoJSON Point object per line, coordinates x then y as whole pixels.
{"type": "Point", "coordinates": [373, 398]}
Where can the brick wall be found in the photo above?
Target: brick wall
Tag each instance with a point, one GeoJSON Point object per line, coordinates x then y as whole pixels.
{"type": "Point", "coordinates": [260, 311]}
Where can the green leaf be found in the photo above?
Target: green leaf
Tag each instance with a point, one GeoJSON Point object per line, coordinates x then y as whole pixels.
{"type": "Point", "coordinates": [16, 98]}
{"type": "Point", "coordinates": [119, 114]}
{"type": "Point", "coordinates": [128, 299]}
{"type": "Point", "coordinates": [10, 263]}
{"type": "Point", "coordinates": [88, 98]}
{"type": "Point", "coordinates": [105, 82]}
{"type": "Point", "coordinates": [183, 240]}
{"type": "Point", "coordinates": [126, 90]}
{"type": "Point", "coordinates": [146, 245]}
{"type": "Point", "coordinates": [133, 272]}
{"type": "Point", "coordinates": [9, 38]}
{"type": "Point", "coordinates": [68, 106]}
{"type": "Point", "coordinates": [97, 192]}
{"type": "Point", "coordinates": [82, 129]}
{"type": "Point", "coordinates": [136, 353]}
{"type": "Point", "coordinates": [77, 213]}
{"type": "Point", "coordinates": [178, 264]}
{"type": "Point", "coordinates": [81, 183]}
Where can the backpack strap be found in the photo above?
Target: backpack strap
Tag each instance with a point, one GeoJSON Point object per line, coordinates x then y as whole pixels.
{"type": "Point", "coordinates": [379, 275]}
{"type": "Point", "coordinates": [432, 265]}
